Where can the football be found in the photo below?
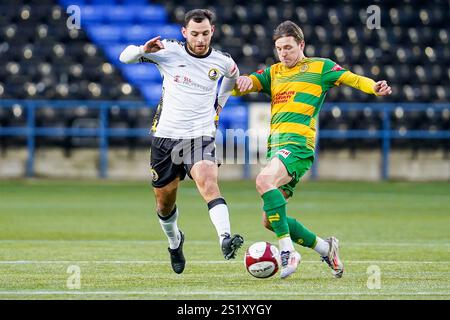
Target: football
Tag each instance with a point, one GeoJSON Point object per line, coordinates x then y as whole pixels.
{"type": "Point", "coordinates": [262, 259]}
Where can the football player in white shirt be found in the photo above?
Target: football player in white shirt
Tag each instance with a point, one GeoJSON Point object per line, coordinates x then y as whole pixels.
{"type": "Point", "coordinates": [184, 125]}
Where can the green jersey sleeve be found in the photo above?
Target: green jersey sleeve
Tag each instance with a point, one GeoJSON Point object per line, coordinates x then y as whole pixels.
{"type": "Point", "coordinates": [331, 73]}
{"type": "Point", "coordinates": [263, 77]}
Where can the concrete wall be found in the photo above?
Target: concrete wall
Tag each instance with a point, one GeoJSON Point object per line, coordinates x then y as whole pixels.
{"type": "Point", "coordinates": [342, 165]}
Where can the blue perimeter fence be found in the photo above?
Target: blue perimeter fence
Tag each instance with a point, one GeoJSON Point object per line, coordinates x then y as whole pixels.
{"type": "Point", "coordinates": [103, 132]}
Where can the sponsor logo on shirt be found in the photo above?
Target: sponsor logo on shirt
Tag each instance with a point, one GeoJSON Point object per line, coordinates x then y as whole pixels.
{"type": "Point", "coordinates": [284, 153]}
{"type": "Point", "coordinates": [283, 97]}
{"type": "Point", "coordinates": [188, 81]}
{"type": "Point", "coordinates": [337, 68]}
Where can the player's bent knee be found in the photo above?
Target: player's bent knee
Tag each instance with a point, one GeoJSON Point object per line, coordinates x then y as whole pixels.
{"type": "Point", "coordinates": [165, 208]}
{"type": "Point", "coordinates": [209, 190]}
{"type": "Point", "coordinates": [165, 202]}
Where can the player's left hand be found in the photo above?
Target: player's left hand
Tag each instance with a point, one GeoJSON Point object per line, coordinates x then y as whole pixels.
{"type": "Point", "coordinates": [382, 89]}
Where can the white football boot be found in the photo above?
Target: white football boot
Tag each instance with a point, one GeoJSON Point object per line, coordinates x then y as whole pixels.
{"type": "Point", "coordinates": [333, 260]}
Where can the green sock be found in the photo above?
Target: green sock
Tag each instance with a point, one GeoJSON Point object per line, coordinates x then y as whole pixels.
{"type": "Point", "coordinates": [275, 209]}
{"type": "Point", "coordinates": [300, 234]}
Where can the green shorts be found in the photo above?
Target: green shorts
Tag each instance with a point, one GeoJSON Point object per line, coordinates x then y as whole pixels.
{"type": "Point", "coordinates": [296, 164]}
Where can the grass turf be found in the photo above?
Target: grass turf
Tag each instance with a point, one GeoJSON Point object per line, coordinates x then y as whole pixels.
{"type": "Point", "coordinates": [110, 232]}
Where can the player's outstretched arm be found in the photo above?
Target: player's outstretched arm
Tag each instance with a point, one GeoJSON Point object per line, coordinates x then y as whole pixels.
{"type": "Point", "coordinates": [367, 85]}
{"type": "Point", "coordinates": [132, 53]}
{"type": "Point", "coordinates": [244, 85]}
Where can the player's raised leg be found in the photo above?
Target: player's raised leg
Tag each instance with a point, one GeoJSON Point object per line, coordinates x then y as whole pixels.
{"type": "Point", "coordinates": [168, 214]}
{"type": "Point", "coordinates": [328, 249]}
{"type": "Point", "coordinates": [268, 180]}
{"type": "Point", "coordinates": [205, 174]}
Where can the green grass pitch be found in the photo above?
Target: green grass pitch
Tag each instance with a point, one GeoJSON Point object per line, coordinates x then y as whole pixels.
{"type": "Point", "coordinates": [110, 233]}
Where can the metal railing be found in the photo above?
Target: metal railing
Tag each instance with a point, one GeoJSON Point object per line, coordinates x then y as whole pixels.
{"type": "Point", "coordinates": [103, 132]}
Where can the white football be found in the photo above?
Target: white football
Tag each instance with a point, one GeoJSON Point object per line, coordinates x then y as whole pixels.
{"type": "Point", "coordinates": [262, 259]}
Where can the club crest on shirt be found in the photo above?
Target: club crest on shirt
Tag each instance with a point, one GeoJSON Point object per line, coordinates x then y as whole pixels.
{"type": "Point", "coordinates": [304, 67]}
{"type": "Point", "coordinates": [213, 74]}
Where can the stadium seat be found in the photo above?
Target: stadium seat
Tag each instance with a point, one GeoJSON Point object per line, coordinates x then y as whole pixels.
{"type": "Point", "coordinates": [92, 14]}
{"type": "Point", "coordinates": [105, 34]}
{"type": "Point", "coordinates": [113, 52]}
{"type": "Point", "coordinates": [137, 73]}
{"type": "Point", "coordinates": [169, 31]}
{"type": "Point", "coordinates": [119, 14]}
{"type": "Point", "coordinates": [67, 3]}
{"type": "Point", "coordinates": [42, 59]}
{"type": "Point", "coordinates": [151, 14]}
{"type": "Point", "coordinates": [105, 2]}
{"type": "Point", "coordinates": [152, 92]}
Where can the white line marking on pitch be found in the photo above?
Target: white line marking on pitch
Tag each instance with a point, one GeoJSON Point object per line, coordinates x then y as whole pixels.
{"type": "Point", "coordinates": [222, 293]}
{"type": "Point", "coordinates": [203, 262]}
{"type": "Point", "coordinates": [201, 242]}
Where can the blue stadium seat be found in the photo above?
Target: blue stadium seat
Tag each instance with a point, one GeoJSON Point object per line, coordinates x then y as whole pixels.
{"type": "Point", "coordinates": [234, 116]}
{"type": "Point", "coordinates": [67, 3]}
{"type": "Point", "coordinates": [113, 52]}
{"type": "Point", "coordinates": [105, 34]}
{"type": "Point", "coordinates": [129, 2]}
{"type": "Point", "coordinates": [139, 33]}
{"type": "Point", "coordinates": [151, 13]}
{"type": "Point", "coordinates": [119, 14]}
{"type": "Point", "coordinates": [103, 1]}
{"type": "Point", "coordinates": [169, 31]}
{"type": "Point", "coordinates": [138, 73]}
{"type": "Point", "coordinates": [92, 14]}
{"type": "Point", "coordinates": [151, 92]}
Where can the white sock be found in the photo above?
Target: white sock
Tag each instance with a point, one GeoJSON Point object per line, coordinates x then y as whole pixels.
{"type": "Point", "coordinates": [286, 244]}
{"type": "Point", "coordinates": [170, 228]}
{"type": "Point", "coordinates": [220, 217]}
{"type": "Point", "coordinates": [322, 247]}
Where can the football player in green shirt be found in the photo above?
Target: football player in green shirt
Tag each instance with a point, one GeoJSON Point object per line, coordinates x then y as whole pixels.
{"type": "Point", "coordinates": [297, 86]}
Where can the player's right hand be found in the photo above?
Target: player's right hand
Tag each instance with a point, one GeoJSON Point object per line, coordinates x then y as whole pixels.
{"type": "Point", "coordinates": [244, 83]}
{"type": "Point", "coordinates": [153, 45]}
{"type": "Point", "coordinates": [382, 88]}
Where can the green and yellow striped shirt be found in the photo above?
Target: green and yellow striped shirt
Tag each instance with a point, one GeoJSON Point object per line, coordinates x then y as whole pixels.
{"type": "Point", "coordinates": [297, 95]}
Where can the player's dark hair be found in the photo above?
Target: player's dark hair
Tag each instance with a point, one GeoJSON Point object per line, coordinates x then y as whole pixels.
{"type": "Point", "coordinates": [288, 29]}
{"type": "Point", "coordinates": [198, 15]}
